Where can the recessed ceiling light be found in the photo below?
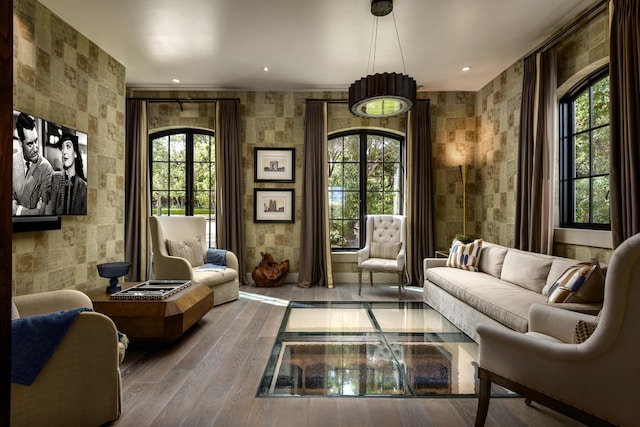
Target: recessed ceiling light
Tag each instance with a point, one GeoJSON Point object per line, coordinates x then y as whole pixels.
{"type": "Point", "coordinates": [265, 69]}
{"type": "Point", "coordinates": [466, 68]}
{"type": "Point", "coordinates": [175, 80]}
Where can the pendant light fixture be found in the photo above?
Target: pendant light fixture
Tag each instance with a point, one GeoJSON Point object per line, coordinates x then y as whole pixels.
{"type": "Point", "coordinates": [382, 94]}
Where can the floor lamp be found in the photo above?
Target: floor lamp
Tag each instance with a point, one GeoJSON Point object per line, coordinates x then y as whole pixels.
{"type": "Point", "coordinates": [464, 171]}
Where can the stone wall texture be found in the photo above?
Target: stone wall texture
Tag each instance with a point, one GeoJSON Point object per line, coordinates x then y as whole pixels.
{"type": "Point", "coordinates": [61, 76]}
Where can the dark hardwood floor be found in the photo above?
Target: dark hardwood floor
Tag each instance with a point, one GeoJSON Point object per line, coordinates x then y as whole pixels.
{"type": "Point", "coordinates": [210, 376]}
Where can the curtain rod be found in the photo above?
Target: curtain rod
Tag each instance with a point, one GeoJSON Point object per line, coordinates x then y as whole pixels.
{"type": "Point", "coordinates": [133, 98]}
{"type": "Point", "coordinates": [587, 16]}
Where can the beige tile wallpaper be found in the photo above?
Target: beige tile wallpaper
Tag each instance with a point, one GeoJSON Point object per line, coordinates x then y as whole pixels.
{"type": "Point", "coordinates": [63, 77]}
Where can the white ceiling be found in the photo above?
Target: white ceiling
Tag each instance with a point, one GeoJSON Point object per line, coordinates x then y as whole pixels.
{"type": "Point", "coordinates": [313, 45]}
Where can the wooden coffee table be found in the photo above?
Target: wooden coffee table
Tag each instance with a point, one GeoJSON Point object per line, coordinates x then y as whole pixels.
{"type": "Point", "coordinates": [155, 320]}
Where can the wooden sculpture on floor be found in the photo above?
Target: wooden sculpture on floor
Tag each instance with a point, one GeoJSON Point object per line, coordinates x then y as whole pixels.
{"type": "Point", "coordinates": [269, 273]}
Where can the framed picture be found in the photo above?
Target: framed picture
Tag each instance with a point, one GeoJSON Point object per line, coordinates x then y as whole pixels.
{"type": "Point", "coordinates": [274, 164]}
{"type": "Point", "coordinates": [273, 205]}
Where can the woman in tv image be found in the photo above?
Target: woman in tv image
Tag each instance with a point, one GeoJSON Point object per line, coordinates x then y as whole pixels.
{"type": "Point", "coordinates": [68, 186]}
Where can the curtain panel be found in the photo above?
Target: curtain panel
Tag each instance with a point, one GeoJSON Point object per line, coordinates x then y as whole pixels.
{"type": "Point", "coordinates": [421, 232]}
{"type": "Point", "coordinates": [137, 192]}
{"type": "Point", "coordinates": [534, 186]}
{"type": "Point", "coordinates": [229, 211]}
{"type": "Point", "coordinates": [624, 73]}
{"type": "Point", "coordinates": [315, 248]}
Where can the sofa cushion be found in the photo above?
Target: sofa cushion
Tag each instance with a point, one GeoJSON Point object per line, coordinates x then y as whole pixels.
{"type": "Point", "coordinates": [190, 250]}
{"type": "Point", "coordinates": [492, 259]}
{"type": "Point", "coordinates": [464, 256]}
{"type": "Point", "coordinates": [502, 301]}
{"type": "Point", "coordinates": [15, 314]}
{"type": "Point", "coordinates": [212, 277]}
{"type": "Point", "coordinates": [582, 282]}
{"type": "Point", "coordinates": [526, 269]}
{"type": "Point", "coordinates": [558, 267]}
{"type": "Point", "coordinates": [387, 250]}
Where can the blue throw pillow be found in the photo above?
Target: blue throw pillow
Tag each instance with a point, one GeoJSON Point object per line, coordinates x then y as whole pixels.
{"type": "Point", "coordinates": [216, 257]}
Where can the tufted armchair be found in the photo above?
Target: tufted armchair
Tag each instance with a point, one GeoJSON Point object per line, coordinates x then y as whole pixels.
{"type": "Point", "coordinates": [596, 379]}
{"type": "Point", "coordinates": [184, 229]}
{"type": "Point", "coordinates": [385, 248]}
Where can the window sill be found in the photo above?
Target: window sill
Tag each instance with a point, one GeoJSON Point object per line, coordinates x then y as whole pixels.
{"type": "Point", "coordinates": [591, 238]}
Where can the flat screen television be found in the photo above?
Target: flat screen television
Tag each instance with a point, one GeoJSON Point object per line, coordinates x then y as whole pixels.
{"type": "Point", "coordinates": [49, 173]}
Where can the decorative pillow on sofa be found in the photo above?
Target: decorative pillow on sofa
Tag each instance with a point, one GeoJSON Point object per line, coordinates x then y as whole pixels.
{"type": "Point", "coordinates": [187, 249]}
{"type": "Point", "coordinates": [464, 256]}
{"type": "Point", "coordinates": [385, 250]}
{"type": "Point", "coordinates": [583, 331]}
{"type": "Point", "coordinates": [582, 282]}
{"type": "Point", "coordinates": [15, 314]}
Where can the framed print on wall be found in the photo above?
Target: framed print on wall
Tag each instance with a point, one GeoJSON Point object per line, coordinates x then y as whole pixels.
{"type": "Point", "coordinates": [273, 205]}
{"type": "Point", "coordinates": [274, 164]}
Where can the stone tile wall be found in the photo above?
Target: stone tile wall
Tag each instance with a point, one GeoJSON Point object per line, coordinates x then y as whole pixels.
{"type": "Point", "coordinates": [61, 76]}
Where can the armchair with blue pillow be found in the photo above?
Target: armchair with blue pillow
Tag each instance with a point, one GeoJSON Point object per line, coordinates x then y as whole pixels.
{"type": "Point", "coordinates": [65, 362]}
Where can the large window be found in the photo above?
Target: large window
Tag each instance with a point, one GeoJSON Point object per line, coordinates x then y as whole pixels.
{"type": "Point", "coordinates": [584, 154]}
{"type": "Point", "coordinates": [366, 175]}
{"type": "Point", "coordinates": [183, 175]}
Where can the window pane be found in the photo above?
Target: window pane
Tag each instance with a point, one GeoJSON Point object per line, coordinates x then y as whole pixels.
{"type": "Point", "coordinates": [336, 235]}
{"type": "Point", "coordinates": [391, 203]}
{"type": "Point", "coordinates": [374, 203]}
{"type": "Point", "coordinates": [160, 148]}
{"type": "Point", "coordinates": [601, 102]}
{"type": "Point", "coordinates": [202, 145]}
{"type": "Point", "coordinates": [159, 202]}
{"type": "Point", "coordinates": [351, 176]}
{"type": "Point", "coordinates": [177, 176]}
{"type": "Point", "coordinates": [352, 148]}
{"type": "Point", "coordinates": [335, 150]}
{"type": "Point", "coordinates": [375, 144]}
{"type": "Point", "coordinates": [601, 200]}
{"type": "Point", "coordinates": [581, 191]}
{"type": "Point", "coordinates": [374, 177]}
{"type": "Point", "coordinates": [336, 199]}
{"type": "Point", "coordinates": [336, 175]}
{"type": "Point", "coordinates": [178, 147]}
{"type": "Point", "coordinates": [201, 176]}
{"type": "Point", "coordinates": [203, 202]}
{"type": "Point", "coordinates": [391, 150]}
{"type": "Point", "coordinates": [583, 155]}
{"type": "Point", "coordinates": [601, 151]}
{"type": "Point", "coordinates": [351, 205]}
{"type": "Point", "coordinates": [160, 175]}
{"type": "Point", "coordinates": [581, 112]}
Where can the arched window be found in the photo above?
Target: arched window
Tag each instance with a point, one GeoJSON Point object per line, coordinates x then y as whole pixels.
{"type": "Point", "coordinates": [584, 154]}
{"type": "Point", "coordinates": [366, 177]}
{"type": "Point", "coordinates": [183, 175]}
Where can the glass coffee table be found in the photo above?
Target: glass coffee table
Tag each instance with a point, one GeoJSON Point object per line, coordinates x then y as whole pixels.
{"type": "Point", "coordinates": [403, 349]}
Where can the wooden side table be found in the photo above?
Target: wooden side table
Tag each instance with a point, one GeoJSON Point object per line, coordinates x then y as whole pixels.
{"type": "Point", "coordinates": [155, 320]}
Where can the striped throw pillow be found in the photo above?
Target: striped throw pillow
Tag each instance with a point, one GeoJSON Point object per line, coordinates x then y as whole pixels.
{"type": "Point", "coordinates": [571, 281]}
{"type": "Point", "coordinates": [385, 250]}
{"type": "Point", "coordinates": [464, 256]}
{"type": "Point", "coordinates": [187, 249]}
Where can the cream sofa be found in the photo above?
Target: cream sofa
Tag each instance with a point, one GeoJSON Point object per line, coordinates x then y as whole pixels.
{"type": "Point", "coordinates": [508, 283]}
{"type": "Point", "coordinates": [224, 281]}
{"type": "Point", "coordinates": [80, 384]}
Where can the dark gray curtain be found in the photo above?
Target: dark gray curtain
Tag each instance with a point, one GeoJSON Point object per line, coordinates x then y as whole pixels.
{"type": "Point", "coordinates": [135, 182]}
{"type": "Point", "coordinates": [624, 72]}
{"type": "Point", "coordinates": [533, 220]}
{"type": "Point", "coordinates": [421, 220]}
{"type": "Point", "coordinates": [230, 213]}
{"type": "Point", "coordinates": [314, 261]}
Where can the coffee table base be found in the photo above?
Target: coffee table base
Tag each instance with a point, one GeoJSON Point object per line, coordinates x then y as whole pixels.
{"type": "Point", "coordinates": [161, 321]}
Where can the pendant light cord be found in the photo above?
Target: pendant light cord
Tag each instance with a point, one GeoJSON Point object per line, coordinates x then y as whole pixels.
{"type": "Point", "coordinates": [373, 45]}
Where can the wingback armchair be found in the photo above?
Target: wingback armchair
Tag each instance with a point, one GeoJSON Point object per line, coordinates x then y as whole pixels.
{"type": "Point", "coordinates": [167, 230]}
{"type": "Point", "coordinates": [384, 249]}
{"type": "Point", "coordinates": [596, 381]}
{"type": "Point", "coordinates": [80, 384]}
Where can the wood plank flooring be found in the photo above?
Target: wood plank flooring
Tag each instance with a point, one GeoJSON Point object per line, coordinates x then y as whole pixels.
{"type": "Point", "coordinates": [210, 376]}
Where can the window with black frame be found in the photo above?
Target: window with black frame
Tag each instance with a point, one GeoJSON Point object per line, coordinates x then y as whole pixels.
{"type": "Point", "coordinates": [584, 154]}
{"type": "Point", "coordinates": [366, 177]}
{"type": "Point", "coordinates": [183, 179]}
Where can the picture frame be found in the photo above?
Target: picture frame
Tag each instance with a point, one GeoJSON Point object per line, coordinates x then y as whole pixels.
{"type": "Point", "coordinates": [274, 164]}
{"type": "Point", "coordinates": [274, 205]}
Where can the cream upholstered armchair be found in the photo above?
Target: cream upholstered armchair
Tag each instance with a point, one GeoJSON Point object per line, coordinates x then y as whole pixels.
{"type": "Point", "coordinates": [596, 381]}
{"type": "Point", "coordinates": [179, 253]}
{"type": "Point", "coordinates": [384, 249]}
{"type": "Point", "coordinates": [80, 384]}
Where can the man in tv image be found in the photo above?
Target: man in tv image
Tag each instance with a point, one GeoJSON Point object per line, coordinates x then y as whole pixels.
{"type": "Point", "coordinates": [31, 171]}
